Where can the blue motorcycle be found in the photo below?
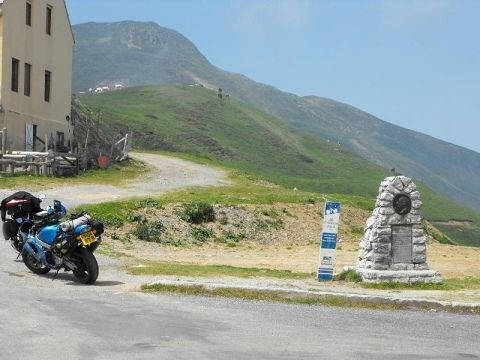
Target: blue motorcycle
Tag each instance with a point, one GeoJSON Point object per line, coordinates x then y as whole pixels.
{"type": "Point", "coordinates": [16, 213]}
{"type": "Point", "coordinates": [69, 245]}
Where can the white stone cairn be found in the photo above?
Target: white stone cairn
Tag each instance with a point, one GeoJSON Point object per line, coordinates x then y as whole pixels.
{"type": "Point", "coordinates": [393, 248]}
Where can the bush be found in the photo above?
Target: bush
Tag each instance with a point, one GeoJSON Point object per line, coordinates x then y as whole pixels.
{"type": "Point", "coordinates": [198, 213]}
{"type": "Point", "coordinates": [358, 230]}
{"type": "Point", "coordinates": [230, 235]}
{"type": "Point", "coordinates": [201, 234]}
{"type": "Point", "coordinates": [136, 218]}
{"type": "Point", "coordinates": [148, 203]}
{"type": "Point", "coordinates": [269, 213]}
{"type": "Point", "coordinates": [349, 276]}
{"type": "Point", "coordinates": [149, 231]}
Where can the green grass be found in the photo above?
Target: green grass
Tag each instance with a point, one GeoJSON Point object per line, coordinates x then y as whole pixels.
{"type": "Point", "coordinates": [244, 190]}
{"type": "Point", "coordinates": [116, 175]}
{"type": "Point", "coordinates": [192, 122]}
{"type": "Point", "coordinates": [273, 296]}
{"type": "Point", "coordinates": [348, 276]}
{"type": "Point", "coordinates": [468, 235]}
{"type": "Point", "coordinates": [191, 270]}
{"type": "Point", "coordinates": [469, 283]}
{"type": "Point", "coordinates": [291, 298]}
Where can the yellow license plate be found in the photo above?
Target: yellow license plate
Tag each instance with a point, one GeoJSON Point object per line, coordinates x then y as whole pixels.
{"type": "Point", "coordinates": [88, 238]}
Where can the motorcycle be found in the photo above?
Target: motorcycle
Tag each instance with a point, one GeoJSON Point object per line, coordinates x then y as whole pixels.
{"type": "Point", "coordinates": [20, 209]}
{"type": "Point", "coordinates": [51, 245]}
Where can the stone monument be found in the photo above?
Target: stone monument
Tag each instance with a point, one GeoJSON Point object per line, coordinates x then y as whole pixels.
{"type": "Point", "coordinates": [394, 244]}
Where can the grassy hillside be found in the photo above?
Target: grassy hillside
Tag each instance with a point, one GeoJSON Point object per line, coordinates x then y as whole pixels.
{"type": "Point", "coordinates": [146, 53]}
{"type": "Point", "coordinates": [193, 120]}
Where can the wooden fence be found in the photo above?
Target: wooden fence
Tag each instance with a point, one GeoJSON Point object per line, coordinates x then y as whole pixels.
{"type": "Point", "coordinates": [55, 163]}
{"type": "Point", "coordinates": [40, 163]}
{"type": "Point", "coordinates": [48, 163]}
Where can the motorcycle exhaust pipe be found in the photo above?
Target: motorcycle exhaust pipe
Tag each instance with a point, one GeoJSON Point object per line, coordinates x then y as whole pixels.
{"type": "Point", "coordinates": [72, 224]}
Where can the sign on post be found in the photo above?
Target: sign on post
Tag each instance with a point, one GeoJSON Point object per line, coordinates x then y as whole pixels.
{"type": "Point", "coordinates": [331, 219]}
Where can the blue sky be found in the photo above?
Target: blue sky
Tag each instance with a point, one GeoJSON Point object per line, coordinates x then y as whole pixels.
{"type": "Point", "coordinates": [412, 63]}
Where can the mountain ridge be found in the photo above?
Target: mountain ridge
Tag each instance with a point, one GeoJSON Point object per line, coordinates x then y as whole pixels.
{"type": "Point", "coordinates": [146, 53]}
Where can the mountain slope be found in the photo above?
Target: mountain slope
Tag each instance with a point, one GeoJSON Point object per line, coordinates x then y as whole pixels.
{"type": "Point", "coordinates": [193, 120]}
{"type": "Point", "coordinates": [145, 53]}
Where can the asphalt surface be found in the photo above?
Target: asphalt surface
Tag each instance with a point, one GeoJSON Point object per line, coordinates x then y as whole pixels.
{"type": "Point", "coordinates": [41, 318]}
{"type": "Point", "coordinates": [44, 319]}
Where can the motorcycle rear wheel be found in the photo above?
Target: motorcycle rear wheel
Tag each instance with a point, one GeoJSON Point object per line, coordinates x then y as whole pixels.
{"type": "Point", "coordinates": [88, 272]}
{"type": "Point", "coordinates": [33, 265]}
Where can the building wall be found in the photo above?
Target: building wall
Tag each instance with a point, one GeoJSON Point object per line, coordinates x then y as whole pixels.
{"type": "Point", "coordinates": [1, 49]}
{"type": "Point", "coordinates": [44, 52]}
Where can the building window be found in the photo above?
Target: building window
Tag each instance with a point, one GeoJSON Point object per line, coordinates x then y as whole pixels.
{"type": "Point", "coordinates": [48, 85]}
{"type": "Point", "coordinates": [49, 20]}
{"type": "Point", "coordinates": [15, 66]}
{"type": "Point", "coordinates": [27, 79]}
{"type": "Point", "coordinates": [28, 13]}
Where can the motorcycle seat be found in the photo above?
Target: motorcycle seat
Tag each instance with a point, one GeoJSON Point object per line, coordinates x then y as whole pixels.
{"type": "Point", "coordinates": [42, 215]}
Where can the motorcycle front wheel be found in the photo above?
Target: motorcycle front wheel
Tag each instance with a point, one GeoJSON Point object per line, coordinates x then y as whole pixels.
{"type": "Point", "coordinates": [33, 265]}
{"type": "Point", "coordinates": [87, 271]}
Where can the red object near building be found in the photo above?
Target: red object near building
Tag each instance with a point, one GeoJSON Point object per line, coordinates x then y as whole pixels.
{"type": "Point", "coordinates": [103, 162]}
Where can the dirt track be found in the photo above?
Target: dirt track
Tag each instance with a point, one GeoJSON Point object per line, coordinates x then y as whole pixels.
{"type": "Point", "coordinates": [167, 173]}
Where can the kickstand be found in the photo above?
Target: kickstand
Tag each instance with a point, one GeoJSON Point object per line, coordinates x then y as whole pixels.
{"type": "Point", "coordinates": [56, 274]}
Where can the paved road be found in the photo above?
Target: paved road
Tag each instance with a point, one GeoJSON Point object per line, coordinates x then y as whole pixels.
{"type": "Point", "coordinates": [45, 319]}
{"type": "Point", "coordinates": [167, 173]}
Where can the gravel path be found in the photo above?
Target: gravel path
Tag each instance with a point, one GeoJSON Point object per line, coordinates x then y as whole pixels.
{"type": "Point", "coordinates": [167, 173]}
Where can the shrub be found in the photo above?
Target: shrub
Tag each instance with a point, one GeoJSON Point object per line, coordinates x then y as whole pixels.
{"type": "Point", "coordinates": [357, 230]}
{"type": "Point", "coordinates": [230, 235]}
{"type": "Point", "coordinates": [201, 234]}
{"type": "Point", "coordinates": [149, 231]}
{"type": "Point", "coordinates": [136, 218]}
{"type": "Point", "coordinates": [148, 203]}
{"type": "Point", "coordinates": [349, 276]}
{"type": "Point", "coordinates": [269, 213]}
{"type": "Point", "coordinates": [198, 213]}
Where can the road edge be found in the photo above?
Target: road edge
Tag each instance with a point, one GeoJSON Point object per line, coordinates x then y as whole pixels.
{"type": "Point", "coordinates": [297, 296]}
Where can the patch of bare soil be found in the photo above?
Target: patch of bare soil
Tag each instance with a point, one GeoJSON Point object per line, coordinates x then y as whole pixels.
{"type": "Point", "coordinates": [281, 236]}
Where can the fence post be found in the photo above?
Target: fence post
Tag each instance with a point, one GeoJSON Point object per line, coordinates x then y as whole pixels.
{"type": "Point", "coordinates": [4, 141]}
{"type": "Point", "coordinates": [124, 152]}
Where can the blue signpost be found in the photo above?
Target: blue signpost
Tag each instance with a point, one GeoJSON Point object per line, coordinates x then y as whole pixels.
{"type": "Point", "coordinates": [329, 241]}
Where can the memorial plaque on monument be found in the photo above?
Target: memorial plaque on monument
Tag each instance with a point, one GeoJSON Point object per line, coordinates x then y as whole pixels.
{"type": "Point", "coordinates": [402, 244]}
{"type": "Point", "coordinates": [394, 245]}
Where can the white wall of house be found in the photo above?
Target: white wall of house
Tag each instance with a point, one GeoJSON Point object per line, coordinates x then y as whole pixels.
{"type": "Point", "coordinates": [32, 45]}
